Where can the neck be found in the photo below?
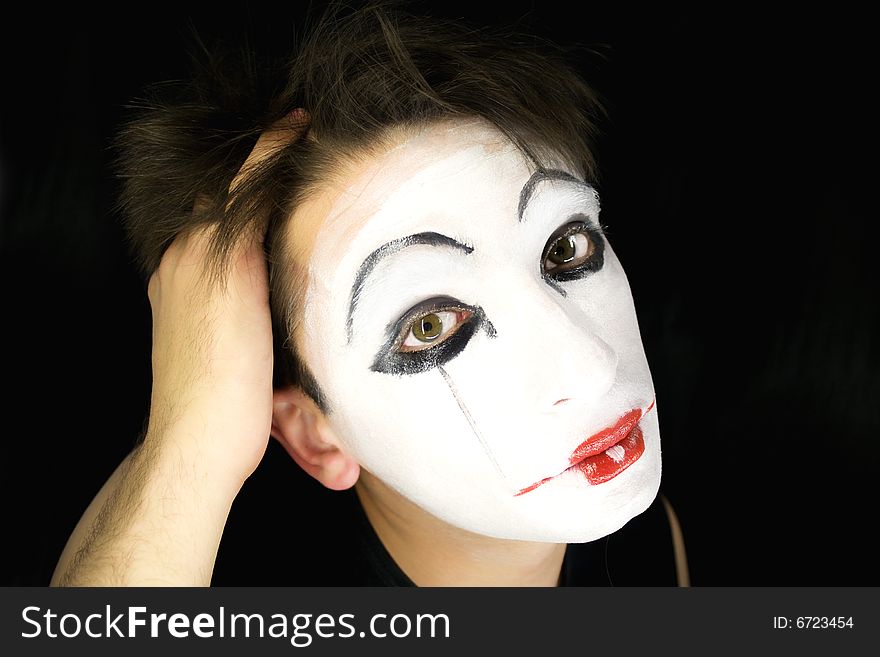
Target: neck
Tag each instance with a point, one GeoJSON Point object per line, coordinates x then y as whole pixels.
{"type": "Point", "coordinates": [434, 553]}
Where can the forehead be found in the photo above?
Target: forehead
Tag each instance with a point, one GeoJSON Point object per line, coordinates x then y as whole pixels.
{"type": "Point", "coordinates": [452, 164]}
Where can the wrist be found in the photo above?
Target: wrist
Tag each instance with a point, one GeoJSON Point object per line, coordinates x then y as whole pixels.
{"type": "Point", "coordinates": [184, 462]}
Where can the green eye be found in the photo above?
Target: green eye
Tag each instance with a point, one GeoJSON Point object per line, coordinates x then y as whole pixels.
{"type": "Point", "coordinates": [563, 251]}
{"type": "Point", "coordinates": [427, 328]}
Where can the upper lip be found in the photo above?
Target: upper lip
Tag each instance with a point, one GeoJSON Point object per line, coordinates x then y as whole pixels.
{"type": "Point", "coordinates": [599, 442]}
{"type": "Point", "coordinates": [607, 437]}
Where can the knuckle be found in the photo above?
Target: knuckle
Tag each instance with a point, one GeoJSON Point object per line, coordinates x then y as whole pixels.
{"type": "Point", "coordinates": [153, 286]}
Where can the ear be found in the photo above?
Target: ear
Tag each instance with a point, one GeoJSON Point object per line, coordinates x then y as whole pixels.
{"type": "Point", "coordinates": [302, 428]}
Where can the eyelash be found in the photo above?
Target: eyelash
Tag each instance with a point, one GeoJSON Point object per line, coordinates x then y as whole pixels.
{"type": "Point", "coordinates": [399, 357]}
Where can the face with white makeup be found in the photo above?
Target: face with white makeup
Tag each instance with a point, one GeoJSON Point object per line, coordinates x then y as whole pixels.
{"type": "Point", "coordinates": [475, 337]}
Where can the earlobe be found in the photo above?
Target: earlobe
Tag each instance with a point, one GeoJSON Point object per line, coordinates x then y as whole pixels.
{"type": "Point", "coordinates": [300, 426]}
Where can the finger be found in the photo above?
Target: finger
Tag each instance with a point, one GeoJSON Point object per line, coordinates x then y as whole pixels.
{"type": "Point", "coordinates": [280, 134]}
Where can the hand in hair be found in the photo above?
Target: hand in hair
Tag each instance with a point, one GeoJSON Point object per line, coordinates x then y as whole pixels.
{"type": "Point", "coordinates": [160, 517]}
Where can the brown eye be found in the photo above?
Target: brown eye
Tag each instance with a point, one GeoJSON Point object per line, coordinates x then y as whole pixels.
{"type": "Point", "coordinates": [569, 251]}
{"type": "Point", "coordinates": [433, 328]}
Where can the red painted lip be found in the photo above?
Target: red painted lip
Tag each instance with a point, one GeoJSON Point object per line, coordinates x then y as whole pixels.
{"type": "Point", "coordinates": [591, 457]}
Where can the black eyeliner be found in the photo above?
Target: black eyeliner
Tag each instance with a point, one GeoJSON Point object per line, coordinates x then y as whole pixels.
{"type": "Point", "coordinates": [581, 223]}
{"type": "Point", "coordinates": [390, 360]}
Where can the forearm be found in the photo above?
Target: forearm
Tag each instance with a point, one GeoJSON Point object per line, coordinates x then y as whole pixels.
{"type": "Point", "coordinates": [157, 521]}
{"type": "Point", "coordinates": [159, 518]}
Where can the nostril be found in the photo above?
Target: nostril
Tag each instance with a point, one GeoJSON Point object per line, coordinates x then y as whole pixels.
{"type": "Point", "coordinates": [560, 401]}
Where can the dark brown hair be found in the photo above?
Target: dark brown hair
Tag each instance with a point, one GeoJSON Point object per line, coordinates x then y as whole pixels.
{"type": "Point", "coordinates": [359, 74]}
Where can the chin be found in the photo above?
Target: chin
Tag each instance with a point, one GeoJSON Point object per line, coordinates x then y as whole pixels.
{"type": "Point", "coordinates": [569, 510]}
{"type": "Point", "coordinates": [585, 524]}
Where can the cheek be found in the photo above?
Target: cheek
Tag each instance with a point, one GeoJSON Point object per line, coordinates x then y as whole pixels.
{"type": "Point", "coordinates": [407, 430]}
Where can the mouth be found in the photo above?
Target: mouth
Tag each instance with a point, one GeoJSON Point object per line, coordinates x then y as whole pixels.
{"type": "Point", "coordinates": [607, 453]}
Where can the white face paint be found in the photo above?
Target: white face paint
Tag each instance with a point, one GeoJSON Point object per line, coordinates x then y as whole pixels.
{"type": "Point", "coordinates": [478, 420]}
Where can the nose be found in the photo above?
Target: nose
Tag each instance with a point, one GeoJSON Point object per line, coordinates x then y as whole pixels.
{"type": "Point", "coordinates": [566, 354]}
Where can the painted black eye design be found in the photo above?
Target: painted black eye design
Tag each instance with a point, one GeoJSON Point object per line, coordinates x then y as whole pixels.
{"type": "Point", "coordinates": [430, 334]}
{"type": "Point", "coordinates": [574, 251]}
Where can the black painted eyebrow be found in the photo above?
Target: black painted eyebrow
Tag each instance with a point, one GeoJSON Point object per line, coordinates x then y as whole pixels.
{"type": "Point", "coordinates": [538, 177]}
{"type": "Point", "coordinates": [431, 239]}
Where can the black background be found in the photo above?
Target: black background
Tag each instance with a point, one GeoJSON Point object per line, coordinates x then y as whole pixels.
{"type": "Point", "coordinates": [736, 163]}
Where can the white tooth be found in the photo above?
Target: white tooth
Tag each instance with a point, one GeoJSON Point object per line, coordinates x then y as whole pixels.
{"type": "Point", "coordinates": [616, 453]}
